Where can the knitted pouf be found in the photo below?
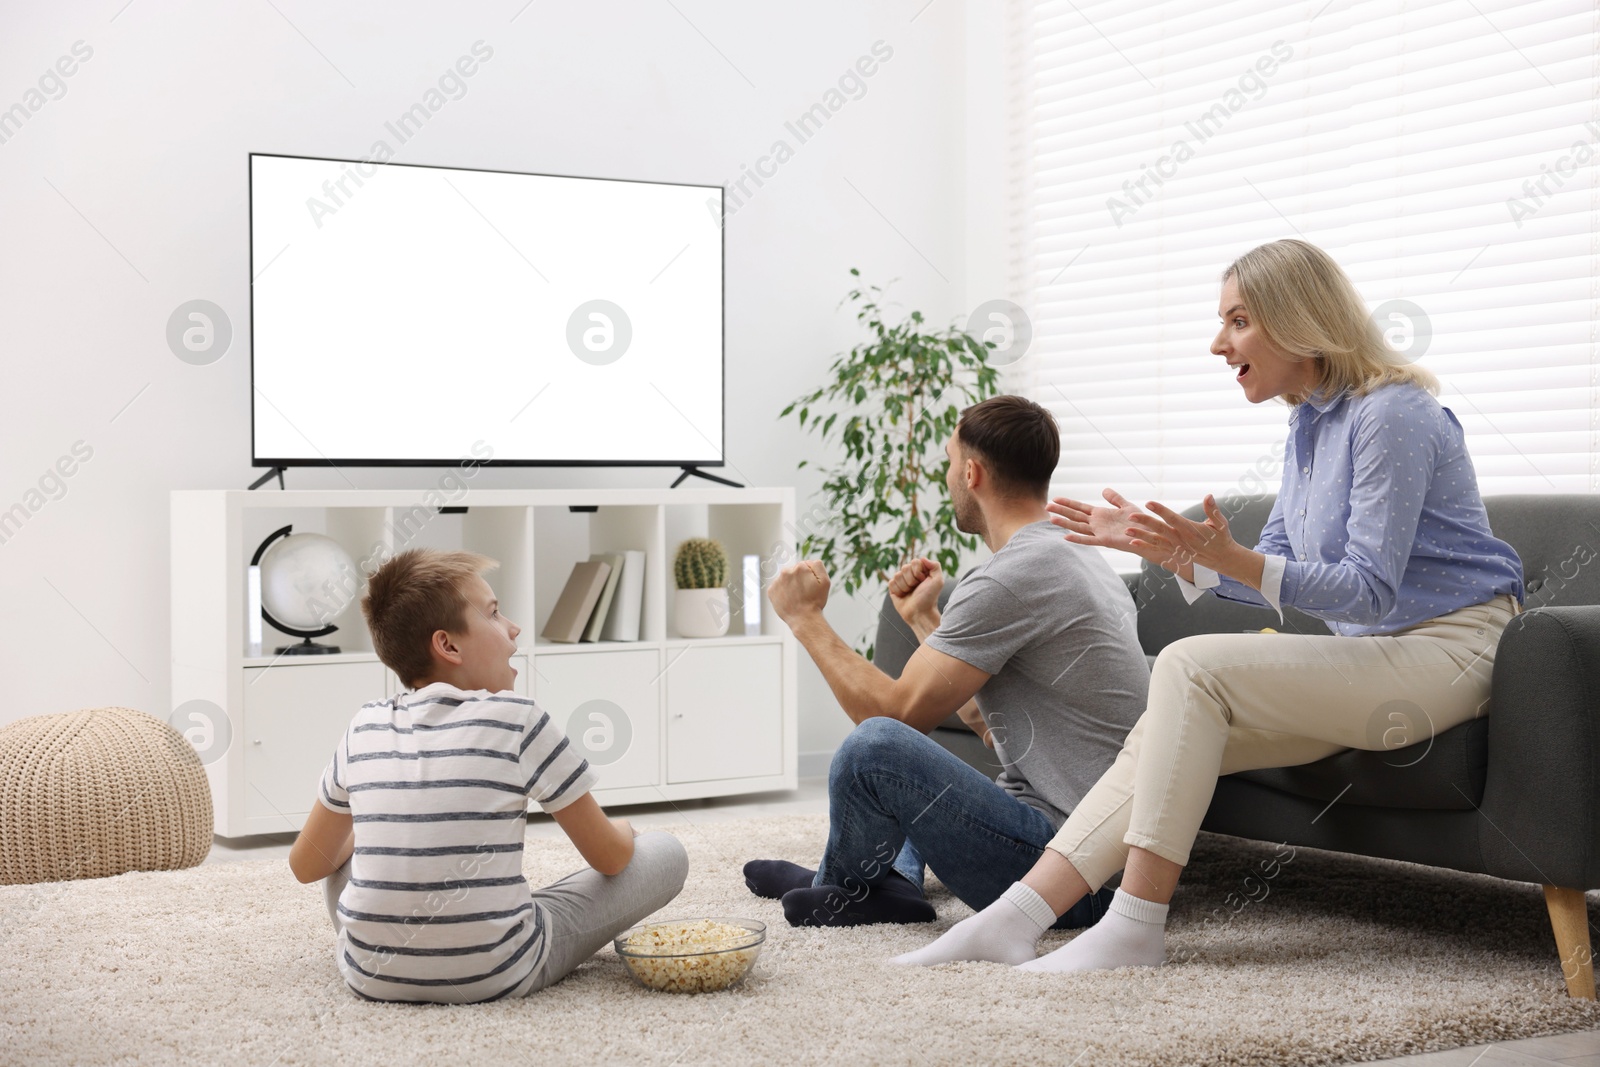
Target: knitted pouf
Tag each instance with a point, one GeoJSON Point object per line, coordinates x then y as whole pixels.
{"type": "Point", "coordinates": [96, 792]}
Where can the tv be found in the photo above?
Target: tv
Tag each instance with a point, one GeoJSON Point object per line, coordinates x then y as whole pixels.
{"type": "Point", "coordinates": [408, 315]}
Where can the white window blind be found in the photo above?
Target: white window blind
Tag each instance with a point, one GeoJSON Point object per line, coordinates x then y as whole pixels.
{"type": "Point", "coordinates": [1443, 153]}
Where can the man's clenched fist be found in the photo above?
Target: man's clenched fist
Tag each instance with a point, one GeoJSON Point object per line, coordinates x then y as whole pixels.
{"type": "Point", "coordinates": [914, 588]}
{"type": "Point", "coordinates": [799, 588]}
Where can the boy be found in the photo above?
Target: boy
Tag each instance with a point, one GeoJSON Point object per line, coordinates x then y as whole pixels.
{"type": "Point", "coordinates": [418, 827]}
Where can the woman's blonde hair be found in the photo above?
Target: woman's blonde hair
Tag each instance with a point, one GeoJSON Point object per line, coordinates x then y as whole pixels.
{"type": "Point", "coordinates": [409, 598]}
{"type": "Point", "coordinates": [1307, 308]}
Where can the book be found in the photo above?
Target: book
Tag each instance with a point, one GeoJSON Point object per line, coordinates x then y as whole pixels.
{"type": "Point", "coordinates": [591, 632]}
{"type": "Point", "coordinates": [627, 604]}
{"type": "Point", "coordinates": [576, 603]}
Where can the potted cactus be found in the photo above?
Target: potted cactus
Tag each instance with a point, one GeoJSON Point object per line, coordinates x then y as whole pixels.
{"type": "Point", "coordinates": [701, 605]}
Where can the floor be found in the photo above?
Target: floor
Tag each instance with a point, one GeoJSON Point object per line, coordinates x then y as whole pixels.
{"type": "Point", "coordinates": [1569, 1050]}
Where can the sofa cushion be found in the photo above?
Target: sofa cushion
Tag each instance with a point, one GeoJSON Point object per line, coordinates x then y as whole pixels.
{"type": "Point", "coordinates": [1555, 535]}
{"type": "Point", "coordinates": [1447, 775]}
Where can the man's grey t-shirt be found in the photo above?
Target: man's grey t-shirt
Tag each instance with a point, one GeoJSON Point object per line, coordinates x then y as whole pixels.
{"type": "Point", "coordinates": [1055, 626]}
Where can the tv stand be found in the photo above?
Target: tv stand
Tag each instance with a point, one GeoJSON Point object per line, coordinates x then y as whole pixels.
{"type": "Point", "coordinates": [265, 478]}
{"type": "Point", "coordinates": [698, 473]}
{"type": "Point", "coordinates": [664, 718]}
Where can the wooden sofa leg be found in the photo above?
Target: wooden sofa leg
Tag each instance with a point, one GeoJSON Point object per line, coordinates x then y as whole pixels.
{"type": "Point", "coordinates": [1569, 918]}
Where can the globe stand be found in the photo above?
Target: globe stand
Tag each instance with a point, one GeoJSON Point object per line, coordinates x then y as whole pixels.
{"type": "Point", "coordinates": [307, 647]}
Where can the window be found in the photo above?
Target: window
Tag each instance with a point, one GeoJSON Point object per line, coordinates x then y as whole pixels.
{"type": "Point", "coordinates": [1443, 153]}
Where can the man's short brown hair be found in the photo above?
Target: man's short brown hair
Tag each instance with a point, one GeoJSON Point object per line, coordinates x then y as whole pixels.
{"type": "Point", "coordinates": [416, 593]}
{"type": "Point", "coordinates": [1017, 440]}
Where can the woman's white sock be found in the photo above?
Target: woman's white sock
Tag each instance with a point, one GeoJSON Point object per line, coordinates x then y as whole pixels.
{"type": "Point", "coordinates": [1132, 934]}
{"type": "Point", "coordinates": [1004, 932]}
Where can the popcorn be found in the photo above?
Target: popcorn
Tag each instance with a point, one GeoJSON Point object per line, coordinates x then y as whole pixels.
{"type": "Point", "coordinates": [683, 957]}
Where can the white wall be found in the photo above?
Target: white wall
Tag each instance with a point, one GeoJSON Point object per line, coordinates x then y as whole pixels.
{"type": "Point", "coordinates": [124, 197]}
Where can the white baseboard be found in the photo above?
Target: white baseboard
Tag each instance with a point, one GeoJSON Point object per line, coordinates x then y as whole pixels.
{"type": "Point", "coordinates": [815, 764]}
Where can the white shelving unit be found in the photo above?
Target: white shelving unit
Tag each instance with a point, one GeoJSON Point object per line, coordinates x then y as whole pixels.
{"type": "Point", "coordinates": [699, 717]}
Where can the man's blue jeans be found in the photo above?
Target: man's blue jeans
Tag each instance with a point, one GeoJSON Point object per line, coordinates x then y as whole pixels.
{"type": "Point", "coordinates": [898, 800]}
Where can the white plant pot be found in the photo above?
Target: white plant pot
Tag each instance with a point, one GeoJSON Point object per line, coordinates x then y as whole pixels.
{"type": "Point", "coordinates": [701, 612]}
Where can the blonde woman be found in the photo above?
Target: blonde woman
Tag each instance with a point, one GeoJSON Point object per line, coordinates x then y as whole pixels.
{"type": "Point", "coordinates": [1378, 529]}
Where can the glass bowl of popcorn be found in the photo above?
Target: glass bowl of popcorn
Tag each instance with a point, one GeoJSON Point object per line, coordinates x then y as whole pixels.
{"type": "Point", "coordinates": [691, 955]}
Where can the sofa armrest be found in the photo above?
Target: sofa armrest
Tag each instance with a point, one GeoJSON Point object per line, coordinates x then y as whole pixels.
{"type": "Point", "coordinates": [1542, 791]}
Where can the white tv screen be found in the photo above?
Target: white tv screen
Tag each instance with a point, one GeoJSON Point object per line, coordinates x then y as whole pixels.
{"type": "Point", "coordinates": [414, 315]}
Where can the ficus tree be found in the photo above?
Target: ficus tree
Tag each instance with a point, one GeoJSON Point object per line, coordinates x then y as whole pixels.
{"type": "Point", "coordinates": [891, 402]}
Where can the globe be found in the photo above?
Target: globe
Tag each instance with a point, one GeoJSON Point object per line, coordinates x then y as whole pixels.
{"type": "Point", "coordinates": [307, 579]}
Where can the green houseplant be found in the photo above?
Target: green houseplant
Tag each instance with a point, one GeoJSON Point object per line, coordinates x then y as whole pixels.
{"type": "Point", "coordinates": [700, 605]}
{"type": "Point", "coordinates": [891, 402]}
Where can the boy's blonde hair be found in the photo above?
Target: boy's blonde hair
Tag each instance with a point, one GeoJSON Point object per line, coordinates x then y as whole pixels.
{"type": "Point", "coordinates": [1307, 307]}
{"type": "Point", "coordinates": [416, 593]}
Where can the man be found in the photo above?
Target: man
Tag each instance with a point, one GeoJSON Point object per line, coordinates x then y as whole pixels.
{"type": "Point", "coordinates": [1037, 649]}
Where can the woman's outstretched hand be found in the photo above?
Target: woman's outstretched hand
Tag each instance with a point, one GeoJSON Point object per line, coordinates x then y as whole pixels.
{"type": "Point", "coordinates": [1174, 537]}
{"type": "Point", "coordinates": [1087, 524]}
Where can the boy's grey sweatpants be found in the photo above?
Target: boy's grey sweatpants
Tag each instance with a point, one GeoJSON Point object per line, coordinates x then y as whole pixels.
{"type": "Point", "coordinates": [586, 909]}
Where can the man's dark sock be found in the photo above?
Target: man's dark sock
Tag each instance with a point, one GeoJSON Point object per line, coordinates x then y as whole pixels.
{"type": "Point", "coordinates": [893, 900]}
{"type": "Point", "coordinates": [774, 878]}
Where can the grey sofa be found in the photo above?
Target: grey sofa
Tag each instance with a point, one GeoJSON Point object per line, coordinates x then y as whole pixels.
{"type": "Point", "coordinates": [1514, 793]}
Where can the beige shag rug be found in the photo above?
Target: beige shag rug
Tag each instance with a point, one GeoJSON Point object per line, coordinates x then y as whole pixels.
{"type": "Point", "coordinates": [1328, 959]}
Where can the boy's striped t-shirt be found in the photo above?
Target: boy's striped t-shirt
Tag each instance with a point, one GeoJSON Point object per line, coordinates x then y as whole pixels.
{"type": "Point", "coordinates": [437, 782]}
